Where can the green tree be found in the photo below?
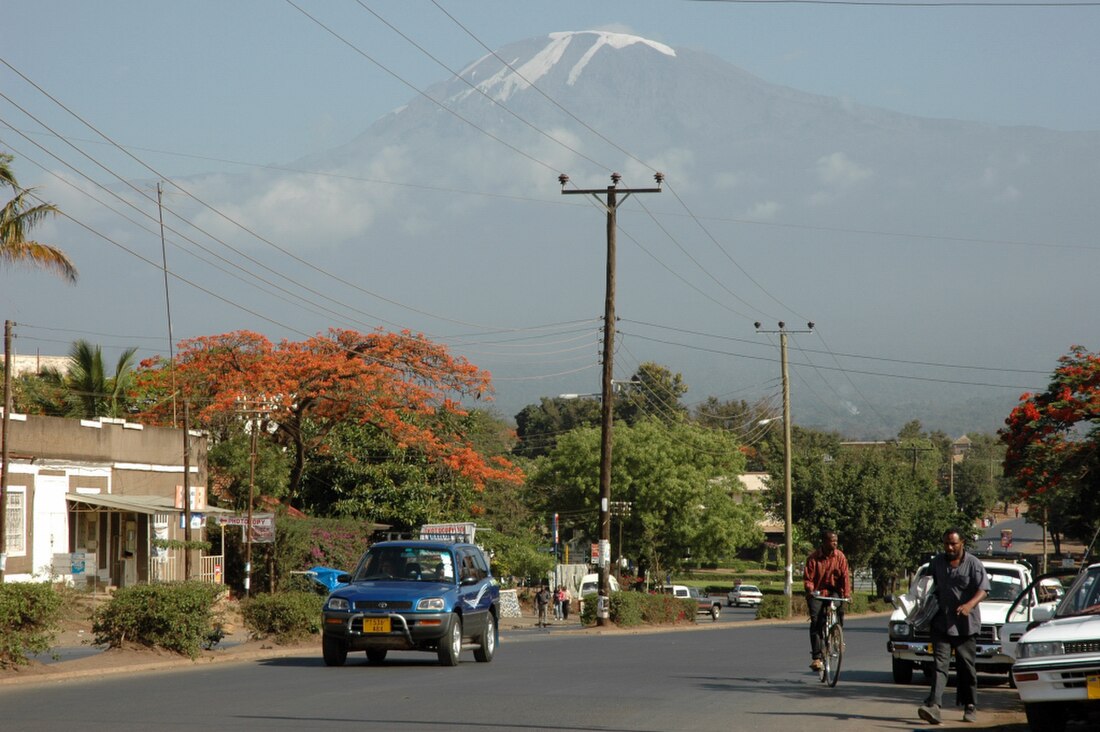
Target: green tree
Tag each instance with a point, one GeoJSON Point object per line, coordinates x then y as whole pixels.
{"type": "Point", "coordinates": [975, 489]}
{"type": "Point", "coordinates": [231, 470]}
{"type": "Point", "coordinates": [887, 519]}
{"type": "Point", "coordinates": [652, 392]}
{"type": "Point", "coordinates": [17, 218]}
{"type": "Point", "coordinates": [681, 480]}
{"type": "Point", "coordinates": [755, 426]}
{"type": "Point", "coordinates": [84, 389]}
{"type": "Point", "coordinates": [539, 425]}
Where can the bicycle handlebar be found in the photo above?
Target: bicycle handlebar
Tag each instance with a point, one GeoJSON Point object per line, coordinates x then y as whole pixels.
{"type": "Point", "coordinates": [830, 598]}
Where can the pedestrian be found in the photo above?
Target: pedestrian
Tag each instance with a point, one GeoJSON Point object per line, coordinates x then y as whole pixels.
{"type": "Point", "coordinates": [1017, 512]}
{"type": "Point", "coordinates": [566, 600]}
{"type": "Point", "coordinates": [557, 602]}
{"type": "Point", "coordinates": [542, 601]}
{"type": "Point", "coordinates": [960, 583]}
{"type": "Point", "coordinates": [826, 573]}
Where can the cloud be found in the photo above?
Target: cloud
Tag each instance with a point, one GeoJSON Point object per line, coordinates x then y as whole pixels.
{"type": "Point", "coordinates": [838, 171]}
{"type": "Point", "coordinates": [764, 210]}
{"type": "Point", "coordinates": [300, 211]}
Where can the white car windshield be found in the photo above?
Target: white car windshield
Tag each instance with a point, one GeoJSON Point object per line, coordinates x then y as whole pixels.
{"type": "Point", "coordinates": [1083, 596]}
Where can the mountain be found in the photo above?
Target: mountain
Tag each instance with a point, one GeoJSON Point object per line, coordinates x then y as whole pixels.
{"type": "Point", "coordinates": [912, 243]}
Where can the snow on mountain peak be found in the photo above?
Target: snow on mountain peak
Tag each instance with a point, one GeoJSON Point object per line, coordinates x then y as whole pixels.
{"type": "Point", "coordinates": [505, 82]}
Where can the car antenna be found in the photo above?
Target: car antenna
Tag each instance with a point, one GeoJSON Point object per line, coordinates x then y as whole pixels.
{"type": "Point", "coordinates": [1088, 551]}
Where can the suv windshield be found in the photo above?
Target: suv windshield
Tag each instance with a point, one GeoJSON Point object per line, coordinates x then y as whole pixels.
{"type": "Point", "coordinates": [1083, 596]}
{"type": "Point", "coordinates": [1003, 586]}
{"type": "Point", "coordinates": [413, 564]}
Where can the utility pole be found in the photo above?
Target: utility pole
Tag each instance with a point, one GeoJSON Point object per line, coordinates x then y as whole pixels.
{"type": "Point", "coordinates": [788, 582]}
{"type": "Point", "coordinates": [248, 526]}
{"type": "Point", "coordinates": [167, 303]}
{"type": "Point", "coordinates": [620, 509]}
{"type": "Point", "coordinates": [611, 205]}
{"type": "Point", "coordinates": [6, 423]}
{"type": "Point", "coordinates": [187, 489]}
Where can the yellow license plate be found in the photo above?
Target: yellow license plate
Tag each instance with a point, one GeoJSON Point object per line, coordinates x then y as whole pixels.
{"type": "Point", "coordinates": [376, 625]}
{"type": "Point", "coordinates": [1094, 685]}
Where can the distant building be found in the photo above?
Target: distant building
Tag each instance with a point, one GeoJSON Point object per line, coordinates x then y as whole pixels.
{"type": "Point", "coordinates": [36, 364]}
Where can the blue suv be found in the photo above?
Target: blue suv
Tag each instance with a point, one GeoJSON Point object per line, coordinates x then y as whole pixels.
{"type": "Point", "coordinates": [433, 596]}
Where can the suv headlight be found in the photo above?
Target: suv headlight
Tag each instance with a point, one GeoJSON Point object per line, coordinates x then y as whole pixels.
{"type": "Point", "coordinates": [901, 629]}
{"type": "Point", "coordinates": [430, 603]}
{"type": "Point", "coordinates": [338, 603]}
{"type": "Point", "coordinates": [1046, 648]}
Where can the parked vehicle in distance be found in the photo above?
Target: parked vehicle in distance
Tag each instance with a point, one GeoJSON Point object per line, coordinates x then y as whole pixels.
{"type": "Point", "coordinates": [590, 584]}
{"type": "Point", "coordinates": [704, 604]}
{"type": "Point", "coordinates": [743, 594]}
{"type": "Point", "coordinates": [434, 596]}
{"type": "Point", "coordinates": [910, 650]}
{"type": "Point", "coordinates": [1057, 670]}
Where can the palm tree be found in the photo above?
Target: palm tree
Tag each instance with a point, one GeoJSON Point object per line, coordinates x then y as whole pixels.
{"type": "Point", "coordinates": [17, 218]}
{"type": "Point", "coordinates": [87, 390]}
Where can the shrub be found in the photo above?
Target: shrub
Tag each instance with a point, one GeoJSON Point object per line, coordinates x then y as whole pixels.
{"type": "Point", "coordinates": [636, 608]}
{"type": "Point", "coordinates": [285, 616]}
{"type": "Point", "coordinates": [176, 616]}
{"type": "Point", "coordinates": [29, 615]}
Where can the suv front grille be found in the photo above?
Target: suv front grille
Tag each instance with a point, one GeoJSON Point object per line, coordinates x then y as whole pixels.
{"type": "Point", "coordinates": [383, 605]}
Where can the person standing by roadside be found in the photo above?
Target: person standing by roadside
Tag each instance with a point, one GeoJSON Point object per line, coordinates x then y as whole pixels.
{"type": "Point", "coordinates": [542, 601]}
{"type": "Point", "coordinates": [960, 583]}
{"type": "Point", "coordinates": [566, 600]}
{"type": "Point", "coordinates": [826, 573]}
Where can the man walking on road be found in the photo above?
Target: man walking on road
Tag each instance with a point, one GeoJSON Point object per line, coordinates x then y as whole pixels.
{"type": "Point", "coordinates": [960, 583]}
{"type": "Point", "coordinates": [826, 573]}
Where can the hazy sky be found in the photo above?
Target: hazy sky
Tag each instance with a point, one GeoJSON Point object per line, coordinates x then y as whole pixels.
{"type": "Point", "coordinates": [204, 86]}
{"type": "Point", "coordinates": [258, 81]}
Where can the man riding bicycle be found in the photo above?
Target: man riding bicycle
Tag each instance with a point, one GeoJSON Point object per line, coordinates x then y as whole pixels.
{"type": "Point", "coordinates": [826, 573]}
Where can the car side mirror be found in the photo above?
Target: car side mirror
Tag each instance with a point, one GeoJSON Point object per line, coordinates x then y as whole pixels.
{"type": "Point", "coordinates": [889, 599]}
{"type": "Point", "coordinates": [469, 580]}
{"type": "Point", "coordinates": [344, 578]}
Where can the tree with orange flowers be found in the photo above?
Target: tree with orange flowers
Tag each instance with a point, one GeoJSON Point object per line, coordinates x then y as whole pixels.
{"type": "Point", "coordinates": [1053, 441]}
{"type": "Point", "coordinates": [399, 385]}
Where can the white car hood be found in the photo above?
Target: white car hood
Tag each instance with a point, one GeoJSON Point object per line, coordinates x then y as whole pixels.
{"type": "Point", "coordinates": [1077, 627]}
{"type": "Point", "coordinates": [991, 613]}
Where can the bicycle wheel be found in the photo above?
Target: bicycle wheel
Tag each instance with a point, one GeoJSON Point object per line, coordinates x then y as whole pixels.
{"type": "Point", "coordinates": [834, 652]}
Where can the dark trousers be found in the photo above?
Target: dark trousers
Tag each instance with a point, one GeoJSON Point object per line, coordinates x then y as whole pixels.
{"type": "Point", "coordinates": [817, 622]}
{"type": "Point", "coordinates": [966, 676]}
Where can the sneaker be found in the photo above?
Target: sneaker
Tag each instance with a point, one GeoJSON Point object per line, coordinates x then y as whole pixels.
{"type": "Point", "coordinates": [816, 664]}
{"type": "Point", "coordinates": [929, 713]}
{"type": "Point", "coordinates": [970, 714]}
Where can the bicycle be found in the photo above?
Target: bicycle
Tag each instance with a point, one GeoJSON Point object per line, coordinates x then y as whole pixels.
{"type": "Point", "coordinates": [832, 641]}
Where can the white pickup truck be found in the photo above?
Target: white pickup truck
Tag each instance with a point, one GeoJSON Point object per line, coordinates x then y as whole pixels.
{"type": "Point", "coordinates": [910, 650]}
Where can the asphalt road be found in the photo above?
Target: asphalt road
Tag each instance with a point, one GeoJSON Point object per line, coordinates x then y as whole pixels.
{"type": "Point", "coordinates": [719, 676]}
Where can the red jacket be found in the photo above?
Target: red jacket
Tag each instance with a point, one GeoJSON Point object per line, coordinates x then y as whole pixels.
{"type": "Point", "coordinates": [828, 575]}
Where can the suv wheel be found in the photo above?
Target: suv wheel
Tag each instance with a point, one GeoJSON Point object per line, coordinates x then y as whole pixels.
{"type": "Point", "coordinates": [715, 611]}
{"type": "Point", "coordinates": [488, 648]}
{"type": "Point", "coordinates": [450, 645]}
{"type": "Point", "coordinates": [334, 650]}
{"type": "Point", "coordinates": [902, 671]}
